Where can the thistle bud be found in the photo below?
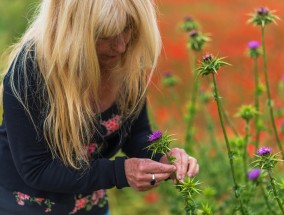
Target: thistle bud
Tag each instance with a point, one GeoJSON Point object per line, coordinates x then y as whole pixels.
{"type": "Point", "coordinates": [263, 16]}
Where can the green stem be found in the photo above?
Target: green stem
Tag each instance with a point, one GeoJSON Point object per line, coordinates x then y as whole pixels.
{"type": "Point", "coordinates": [228, 120]}
{"type": "Point", "coordinates": [276, 196]}
{"type": "Point", "coordinates": [176, 99]}
{"type": "Point", "coordinates": [192, 110]}
{"type": "Point", "coordinates": [230, 154]}
{"type": "Point", "coordinates": [212, 135]}
{"type": "Point", "coordinates": [245, 150]}
{"type": "Point", "coordinates": [266, 200]}
{"type": "Point", "coordinates": [268, 93]}
{"type": "Point", "coordinates": [256, 103]}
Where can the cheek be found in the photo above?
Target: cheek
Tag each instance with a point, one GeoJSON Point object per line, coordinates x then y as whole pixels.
{"type": "Point", "coordinates": [102, 47]}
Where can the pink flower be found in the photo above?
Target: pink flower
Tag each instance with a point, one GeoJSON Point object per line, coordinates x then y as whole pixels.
{"type": "Point", "coordinates": [101, 193]}
{"type": "Point", "coordinates": [90, 149]}
{"type": "Point", "coordinates": [97, 195]}
{"type": "Point", "coordinates": [39, 199]}
{"type": "Point", "coordinates": [47, 210]}
{"type": "Point", "coordinates": [23, 196]}
{"type": "Point", "coordinates": [112, 124]}
{"type": "Point", "coordinates": [81, 203]}
{"type": "Point", "coordinates": [21, 202]}
{"type": "Point", "coordinates": [74, 210]}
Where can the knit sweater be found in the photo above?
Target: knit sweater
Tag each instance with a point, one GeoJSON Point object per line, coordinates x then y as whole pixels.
{"type": "Point", "coordinates": [33, 181]}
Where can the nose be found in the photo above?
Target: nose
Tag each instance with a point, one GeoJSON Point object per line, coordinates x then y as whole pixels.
{"type": "Point", "coordinates": [119, 43]}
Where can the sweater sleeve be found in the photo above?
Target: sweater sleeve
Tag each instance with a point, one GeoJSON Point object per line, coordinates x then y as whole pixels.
{"type": "Point", "coordinates": [32, 158]}
{"type": "Point", "coordinates": [137, 140]}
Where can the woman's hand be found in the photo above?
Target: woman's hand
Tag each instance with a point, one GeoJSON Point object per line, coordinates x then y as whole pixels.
{"type": "Point", "coordinates": [185, 164]}
{"type": "Point", "coordinates": [139, 173]}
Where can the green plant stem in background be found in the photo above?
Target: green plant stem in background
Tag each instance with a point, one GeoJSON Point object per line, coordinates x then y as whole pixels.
{"type": "Point", "coordinates": [212, 135]}
{"type": "Point", "coordinates": [245, 154]}
{"type": "Point", "coordinates": [266, 200]}
{"type": "Point", "coordinates": [230, 153]}
{"type": "Point", "coordinates": [229, 121]}
{"type": "Point", "coordinates": [256, 103]}
{"type": "Point", "coordinates": [269, 102]}
{"type": "Point", "coordinates": [176, 100]}
{"type": "Point", "coordinates": [191, 110]}
{"type": "Point", "coordinates": [275, 192]}
{"type": "Point", "coordinates": [227, 118]}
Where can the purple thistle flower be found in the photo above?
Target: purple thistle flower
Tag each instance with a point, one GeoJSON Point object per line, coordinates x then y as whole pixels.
{"type": "Point", "coordinates": [155, 136]}
{"type": "Point", "coordinates": [188, 19]}
{"type": "Point", "coordinates": [262, 11]}
{"type": "Point", "coordinates": [207, 57]}
{"type": "Point", "coordinates": [254, 174]}
{"type": "Point", "coordinates": [253, 44]}
{"type": "Point", "coordinates": [168, 74]}
{"type": "Point", "coordinates": [193, 33]}
{"type": "Point", "coordinates": [264, 151]}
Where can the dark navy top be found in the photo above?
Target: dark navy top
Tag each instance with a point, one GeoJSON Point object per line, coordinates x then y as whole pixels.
{"type": "Point", "coordinates": [33, 182]}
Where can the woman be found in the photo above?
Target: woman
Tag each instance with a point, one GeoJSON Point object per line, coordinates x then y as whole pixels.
{"type": "Point", "coordinates": [74, 94]}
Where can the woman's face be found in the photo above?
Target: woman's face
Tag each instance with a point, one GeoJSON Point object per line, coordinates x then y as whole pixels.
{"type": "Point", "coordinates": [110, 50]}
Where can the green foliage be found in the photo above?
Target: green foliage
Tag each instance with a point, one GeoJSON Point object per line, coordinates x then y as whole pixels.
{"type": "Point", "coordinates": [12, 25]}
{"type": "Point", "coordinates": [247, 112]}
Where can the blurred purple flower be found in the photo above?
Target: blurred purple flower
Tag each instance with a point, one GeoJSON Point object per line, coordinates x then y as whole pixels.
{"type": "Point", "coordinates": [155, 136]}
{"type": "Point", "coordinates": [168, 74]}
{"type": "Point", "coordinates": [188, 19]}
{"type": "Point", "coordinates": [262, 11]}
{"type": "Point", "coordinates": [193, 33]}
{"type": "Point", "coordinates": [264, 151]}
{"type": "Point", "coordinates": [254, 174]}
{"type": "Point", "coordinates": [253, 44]}
{"type": "Point", "coordinates": [282, 78]}
{"type": "Point", "coordinates": [207, 57]}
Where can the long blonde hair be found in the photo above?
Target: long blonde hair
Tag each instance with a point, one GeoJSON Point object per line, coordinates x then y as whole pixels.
{"type": "Point", "coordinates": [64, 35]}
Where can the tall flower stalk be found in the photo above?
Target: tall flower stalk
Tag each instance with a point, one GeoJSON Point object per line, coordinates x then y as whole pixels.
{"type": "Point", "coordinates": [210, 65]}
{"type": "Point", "coordinates": [267, 161]}
{"type": "Point", "coordinates": [246, 112]}
{"type": "Point", "coordinates": [254, 176]}
{"type": "Point", "coordinates": [196, 43]}
{"type": "Point", "coordinates": [170, 81]}
{"type": "Point", "coordinates": [263, 17]}
{"type": "Point", "coordinates": [254, 53]}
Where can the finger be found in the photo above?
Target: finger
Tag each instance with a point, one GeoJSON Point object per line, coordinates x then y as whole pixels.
{"type": "Point", "coordinates": [156, 167]}
{"type": "Point", "coordinates": [184, 166]}
{"type": "Point", "coordinates": [192, 166]}
{"type": "Point", "coordinates": [149, 182]}
{"type": "Point", "coordinates": [181, 162]}
{"type": "Point", "coordinates": [196, 170]}
{"type": "Point", "coordinates": [162, 176]}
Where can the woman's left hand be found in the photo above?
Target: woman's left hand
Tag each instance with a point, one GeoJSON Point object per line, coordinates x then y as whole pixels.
{"type": "Point", "coordinates": [185, 164]}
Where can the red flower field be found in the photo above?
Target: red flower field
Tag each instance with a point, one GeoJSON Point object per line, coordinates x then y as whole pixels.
{"type": "Point", "coordinates": [225, 21]}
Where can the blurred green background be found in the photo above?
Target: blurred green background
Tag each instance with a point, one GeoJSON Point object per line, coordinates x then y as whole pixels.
{"type": "Point", "coordinates": [14, 16]}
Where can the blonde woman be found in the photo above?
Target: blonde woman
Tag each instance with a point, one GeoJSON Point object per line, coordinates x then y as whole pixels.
{"type": "Point", "coordinates": [73, 96]}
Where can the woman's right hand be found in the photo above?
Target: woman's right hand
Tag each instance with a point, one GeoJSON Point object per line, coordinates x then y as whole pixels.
{"type": "Point", "coordinates": [139, 173]}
